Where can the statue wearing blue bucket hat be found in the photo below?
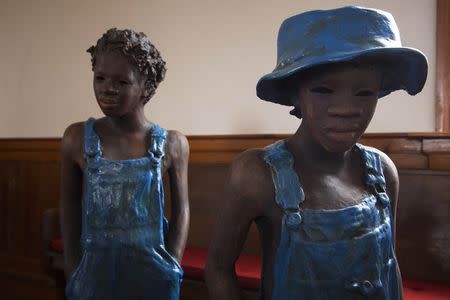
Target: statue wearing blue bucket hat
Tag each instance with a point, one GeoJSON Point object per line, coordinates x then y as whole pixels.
{"type": "Point", "coordinates": [324, 205]}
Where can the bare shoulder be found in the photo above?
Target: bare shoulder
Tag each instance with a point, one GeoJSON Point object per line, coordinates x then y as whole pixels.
{"type": "Point", "coordinates": [250, 179]}
{"type": "Point", "coordinates": [389, 168]}
{"type": "Point", "coordinates": [390, 173]}
{"type": "Point", "coordinates": [249, 162]}
{"type": "Point", "coordinates": [72, 141]}
{"type": "Point", "coordinates": [177, 146]}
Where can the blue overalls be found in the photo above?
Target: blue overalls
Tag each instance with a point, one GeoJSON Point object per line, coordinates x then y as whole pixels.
{"type": "Point", "coordinates": [123, 227]}
{"type": "Point", "coordinates": [333, 254]}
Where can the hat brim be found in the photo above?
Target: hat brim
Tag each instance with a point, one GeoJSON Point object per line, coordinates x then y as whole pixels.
{"type": "Point", "coordinates": [409, 66]}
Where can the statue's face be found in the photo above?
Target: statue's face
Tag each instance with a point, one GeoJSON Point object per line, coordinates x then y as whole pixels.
{"type": "Point", "coordinates": [117, 84]}
{"type": "Point", "coordinates": [338, 104]}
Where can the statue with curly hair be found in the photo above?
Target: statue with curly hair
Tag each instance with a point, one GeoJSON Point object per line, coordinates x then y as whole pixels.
{"type": "Point", "coordinates": [117, 242]}
{"type": "Point", "coordinates": [141, 52]}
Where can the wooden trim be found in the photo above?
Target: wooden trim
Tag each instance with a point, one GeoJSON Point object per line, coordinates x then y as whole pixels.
{"type": "Point", "coordinates": [32, 149]}
{"type": "Point", "coordinates": [407, 150]}
{"type": "Point", "coordinates": [443, 65]}
{"type": "Point", "coordinates": [30, 144]}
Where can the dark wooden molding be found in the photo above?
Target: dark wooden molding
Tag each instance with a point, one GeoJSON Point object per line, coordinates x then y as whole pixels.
{"type": "Point", "coordinates": [407, 150]}
{"type": "Point", "coordinates": [443, 65]}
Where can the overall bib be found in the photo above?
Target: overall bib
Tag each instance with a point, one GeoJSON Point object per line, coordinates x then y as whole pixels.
{"type": "Point", "coordinates": [123, 226]}
{"type": "Point", "coordinates": [333, 254]}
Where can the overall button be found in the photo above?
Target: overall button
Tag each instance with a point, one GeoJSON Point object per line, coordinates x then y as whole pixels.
{"type": "Point", "coordinates": [293, 220]}
{"type": "Point", "coordinates": [390, 262]}
{"type": "Point", "coordinates": [366, 287]}
{"type": "Point", "coordinates": [383, 199]}
{"type": "Point", "coordinates": [92, 147]}
{"type": "Point", "coordinates": [352, 286]}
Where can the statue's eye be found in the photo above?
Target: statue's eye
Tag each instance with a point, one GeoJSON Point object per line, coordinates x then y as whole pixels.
{"type": "Point", "coordinates": [124, 82]}
{"type": "Point", "coordinates": [321, 90]}
{"type": "Point", "coordinates": [365, 93]}
{"type": "Point", "coordinates": [99, 78]}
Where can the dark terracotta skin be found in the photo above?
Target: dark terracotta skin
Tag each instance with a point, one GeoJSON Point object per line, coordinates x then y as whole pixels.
{"type": "Point", "coordinates": [125, 134]}
{"type": "Point", "coordinates": [337, 106]}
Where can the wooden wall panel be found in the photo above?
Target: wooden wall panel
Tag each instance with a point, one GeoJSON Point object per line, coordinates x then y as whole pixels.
{"type": "Point", "coordinates": [423, 224]}
{"type": "Point", "coordinates": [206, 183]}
{"type": "Point", "coordinates": [28, 188]}
{"type": "Point", "coordinates": [29, 184]}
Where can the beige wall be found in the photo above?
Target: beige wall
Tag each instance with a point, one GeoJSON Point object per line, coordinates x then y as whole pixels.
{"type": "Point", "coordinates": [215, 50]}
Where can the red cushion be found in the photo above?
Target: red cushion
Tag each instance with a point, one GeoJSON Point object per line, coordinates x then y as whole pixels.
{"type": "Point", "coordinates": [429, 290]}
{"type": "Point", "coordinates": [247, 267]}
{"type": "Point", "coordinates": [193, 263]}
{"type": "Point", "coordinates": [248, 273]}
{"type": "Point", "coordinates": [248, 270]}
{"type": "Point", "coordinates": [57, 245]}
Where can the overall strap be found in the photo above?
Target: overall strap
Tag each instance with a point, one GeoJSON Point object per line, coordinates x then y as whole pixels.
{"type": "Point", "coordinates": [374, 174]}
{"type": "Point", "coordinates": [288, 191]}
{"type": "Point", "coordinates": [92, 147]}
{"type": "Point", "coordinates": [158, 138]}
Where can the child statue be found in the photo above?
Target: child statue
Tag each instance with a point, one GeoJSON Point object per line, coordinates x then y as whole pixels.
{"type": "Point", "coordinates": [324, 205]}
{"type": "Point", "coordinates": [117, 242]}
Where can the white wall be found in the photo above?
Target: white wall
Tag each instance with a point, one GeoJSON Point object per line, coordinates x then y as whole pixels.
{"type": "Point", "coordinates": [215, 52]}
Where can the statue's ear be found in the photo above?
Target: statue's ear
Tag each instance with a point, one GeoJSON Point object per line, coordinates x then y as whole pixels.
{"type": "Point", "coordinates": [296, 112]}
{"type": "Point", "coordinates": [295, 101]}
{"type": "Point", "coordinates": [146, 92]}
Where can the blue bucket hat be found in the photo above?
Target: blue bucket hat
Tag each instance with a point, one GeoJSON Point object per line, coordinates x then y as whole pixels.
{"type": "Point", "coordinates": [341, 35]}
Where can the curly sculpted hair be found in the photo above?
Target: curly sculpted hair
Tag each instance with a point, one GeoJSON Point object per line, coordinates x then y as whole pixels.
{"type": "Point", "coordinates": [141, 52]}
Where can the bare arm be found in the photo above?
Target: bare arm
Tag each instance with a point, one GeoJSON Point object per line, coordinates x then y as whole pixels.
{"type": "Point", "coordinates": [70, 196]}
{"type": "Point", "coordinates": [242, 204]}
{"type": "Point", "coordinates": [392, 185]}
{"type": "Point", "coordinates": [178, 148]}
{"type": "Point", "coordinates": [392, 188]}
